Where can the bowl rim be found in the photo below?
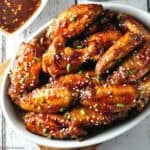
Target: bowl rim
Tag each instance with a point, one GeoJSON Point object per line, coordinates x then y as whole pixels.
{"type": "Point", "coordinates": [99, 138]}
{"type": "Point", "coordinates": [28, 22]}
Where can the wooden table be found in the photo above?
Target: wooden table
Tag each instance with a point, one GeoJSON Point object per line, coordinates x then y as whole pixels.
{"type": "Point", "coordinates": [136, 139]}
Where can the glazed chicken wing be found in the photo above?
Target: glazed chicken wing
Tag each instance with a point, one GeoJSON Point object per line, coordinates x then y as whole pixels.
{"type": "Point", "coordinates": [58, 95]}
{"type": "Point", "coordinates": [74, 20]}
{"type": "Point", "coordinates": [128, 23]}
{"type": "Point", "coordinates": [70, 125]}
{"type": "Point", "coordinates": [26, 70]}
{"type": "Point", "coordinates": [47, 99]}
{"type": "Point", "coordinates": [52, 126]}
{"type": "Point", "coordinates": [110, 98]}
{"type": "Point", "coordinates": [61, 60]}
{"type": "Point", "coordinates": [133, 68]}
{"type": "Point", "coordinates": [125, 45]}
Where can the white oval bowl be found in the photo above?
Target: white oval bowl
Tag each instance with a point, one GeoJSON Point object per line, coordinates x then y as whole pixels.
{"type": "Point", "coordinates": [17, 124]}
{"type": "Point", "coordinates": [28, 22]}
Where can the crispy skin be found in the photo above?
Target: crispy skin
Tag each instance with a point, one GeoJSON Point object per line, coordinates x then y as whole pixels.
{"type": "Point", "coordinates": [58, 56]}
{"type": "Point", "coordinates": [77, 81]}
{"type": "Point", "coordinates": [106, 17]}
{"type": "Point", "coordinates": [61, 127]}
{"type": "Point", "coordinates": [110, 98]}
{"type": "Point", "coordinates": [46, 99]}
{"type": "Point", "coordinates": [52, 126]}
{"type": "Point", "coordinates": [68, 89]}
{"type": "Point", "coordinates": [144, 90]}
{"type": "Point", "coordinates": [26, 70]}
{"type": "Point", "coordinates": [128, 23]}
{"type": "Point", "coordinates": [60, 94]}
{"type": "Point", "coordinates": [134, 68]}
{"type": "Point", "coordinates": [125, 45]}
{"type": "Point", "coordinates": [84, 117]}
{"type": "Point", "coordinates": [137, 65]}
{"type": "Point", "coordinates": [73, 21]}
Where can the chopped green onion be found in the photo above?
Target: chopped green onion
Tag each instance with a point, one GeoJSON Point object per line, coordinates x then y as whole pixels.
{"type": "Point", "coordinates": [22, 80]}
{"type": "Point", "coordinates": [98, 79]}
{"type": "Point", "coordinates": [79, 46]}
{"type": "Point", "coordinates": [42, 99]}
{"type": "Point", "coordinates": [80, 72]}
{"type": "Point", "coordinates": [120, 105]}
{"type": "Point", "coordinates": [68, 116]}
{"type": "Point", "coordinates": [82, 112]}
{"type": "Point", "coordinates": [68, 67]}
{"type": "Point", "coordinates": [72, 19]}
{"type": "Point", "coordinates": [36, 58]}
{"type": "Point", "coordinates": [49, 136]}
{"type": "Point", "coordinates": [132, 71]}
{"type": "Point", "coordinates": [48, 85]}
{"type": "Point", "coordinates": [27, 74]}
{"type": "Point", "coordinates": [38, 124]}
{"type": "Point", "coordinates": [39, 108]}
{"type": "Point", "coordinates": [62, 109]}
{"type": "Point", "coordinates": [20, 68]}
{"type": "Point", "coordinates": [95, 105]}
{"type": "Point", "coordinates": [44, 130]}
{"type": "Point", "coordinates": [87, 76]}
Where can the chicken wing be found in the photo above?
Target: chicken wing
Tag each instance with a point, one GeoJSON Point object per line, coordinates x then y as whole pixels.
{"type": "Point", "coordinates": [125, 45]}
{"type": "Point", "coordinates": [70, 125]}
{"type": "Point", "coordinates": [61, 60]}
{"type": "Point", "coordinates": [52, 126]}
{"type": "Point", "coordinates": [134, 68]}
{"type": "Point", "coordinates": [47, 99]}
{"type": "Point", "coordinates": [26, 70]}
{"type": "Point", "coordinates": [110, 98]}
{"type": "Point", "coordinates": [85, 117]}
{"type": "Point", "coordinates": [128, 23]}
{"type": "Point", "coordinates": [74, 20]}
{"type": "Point", "coordinates": [58, 95]}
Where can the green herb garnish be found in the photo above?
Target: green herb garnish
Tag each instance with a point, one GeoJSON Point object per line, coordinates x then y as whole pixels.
{"type": "Point", "coordinates": [68, 67]}
{"type": "Point", "coordinates": [48, 85]}
{"type": "Point", "coordinates": [22, 80]}
{"type": "Point", "coordinates": [44, 130]}
{"type": "Point", "coordinates": [95, 106]}
{"type": "Point", "coordinates": [62, 109]}
{"type": "Point", "coordinates": [98, 79]}
{"type": "Point", "coordinates": [120, 105]}
{"type": "Point", "coordinates": [36, 58]}
{"type": "Point", "coordinates": [27, 75]}
{"type": "Point", "coordinates": [82, 112]}
{"type": "Point", "coordinates": [72, 19]}
{"type": "Point", "coordinates": [80, 72]}
{"type": "Point", "coordinates": [132, 71]}
{"type": "Point", "coordinates": [68, 116]}
{"type": "Point", "coordinates": [38, 124]}
{"type": "Point", "coordinates": [79, 47]}
{"type": "Point", "coordinates": [39, 108]}
{"type": "Point", "coordinates": [42, 99]}
{"type": "Point", "coordinates": [49, 136]}
{"type": "Point", "coordinates": [87, 76]}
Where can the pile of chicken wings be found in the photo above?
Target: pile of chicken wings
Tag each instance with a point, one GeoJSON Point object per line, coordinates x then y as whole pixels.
{"type": "Point", "coordinates": [90, 68]}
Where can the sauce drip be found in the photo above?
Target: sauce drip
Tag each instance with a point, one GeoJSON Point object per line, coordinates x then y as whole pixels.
{"type": "Point", "coordinates": [14, 13]}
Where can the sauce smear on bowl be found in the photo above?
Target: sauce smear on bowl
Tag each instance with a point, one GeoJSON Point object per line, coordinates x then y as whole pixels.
{"type": "Point", "coordinates": [14, 13]}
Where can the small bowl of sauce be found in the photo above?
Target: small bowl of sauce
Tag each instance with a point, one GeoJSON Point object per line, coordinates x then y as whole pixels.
{"type": "Point", "coordinates": [16, 15]}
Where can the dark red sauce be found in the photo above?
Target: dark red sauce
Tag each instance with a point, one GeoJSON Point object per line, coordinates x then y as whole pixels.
{"type": "Point", "coordinates": [14, 13]}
